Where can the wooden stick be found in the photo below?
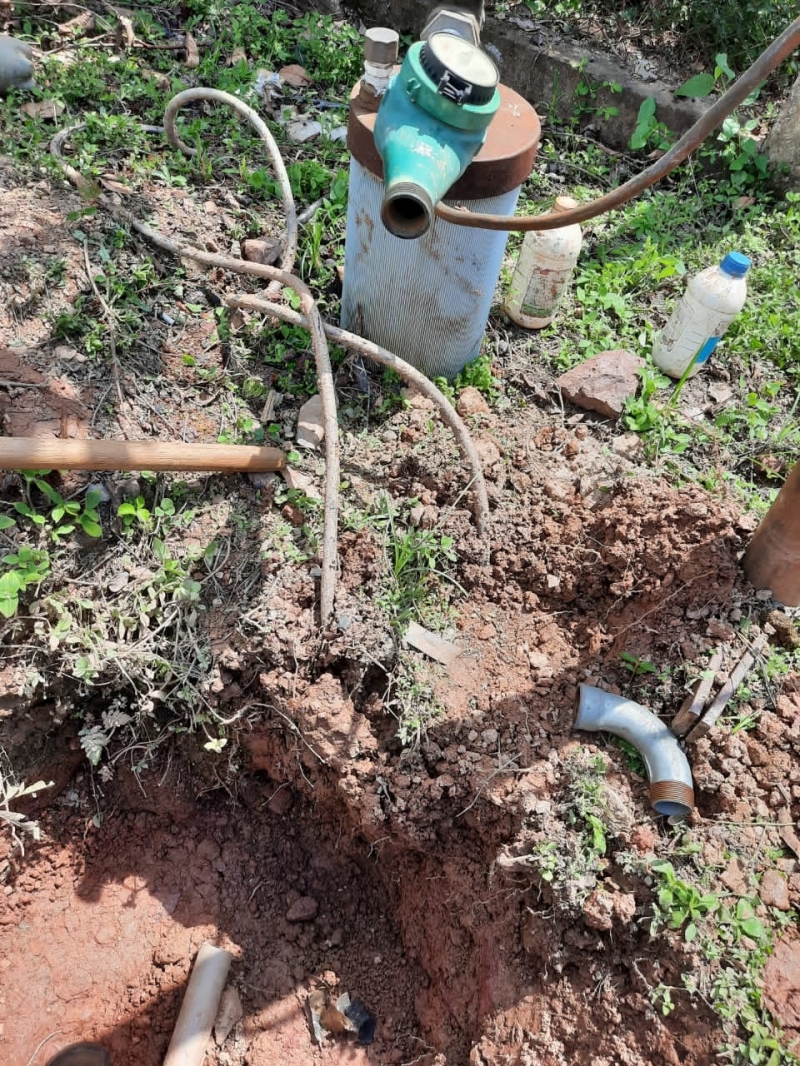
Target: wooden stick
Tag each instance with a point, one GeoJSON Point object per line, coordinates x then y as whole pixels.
{"type": "Point", "coordinates": [693, 705]}
{"type": "Point", "coordinates": [724, 696]}
{"type": "Point", "coordinates": [33, 453]}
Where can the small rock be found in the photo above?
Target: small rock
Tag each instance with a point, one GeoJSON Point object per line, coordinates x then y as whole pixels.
{"type": "Point", "coordinates": [263, 479]}
{"type": "Point", "coordinates": [487, 632]}
{"type": "Point", "coordinates": [782, 982]}
{"type": "Point", "coordinates": [470, 402]}
{"type": "Point", "coordinates": [297, 480]}
{"type": "Point", "coordinates": [63, 351]}
{"type": "Point", "coordinates": [785, 630]}
{"type": "Point", "coordinates": [294, 75]}
{"type": "Point", "coordinates": [603, 383]}
{"type": "Point", "coordinates": [303, 910]}
{"type": "Point", "coordinates": [720, 392]}
{"type": "Point", "coordinates": [598, 910]}
{"type": "Point", "coordinates": [624, 906]}
{"type": "Point", "coordinates": [720, 630]}
{"type": "Point", "coordinates": [44, 109]}
{"type": "Point", "coordinates": [643, 839]}
{"type": "Point", "coordinates": [302, 130]}
{"type": "Point", "coordinates": [417, 399]}
{"type": "Point", "coordinates": [210, 208]}
{"type": "Point", "coordinates": [773, 891]}
{"type": "Point", "coordinates": [265, 252]}
{"type": "Point", "coordinates": [540, 664]}
{"type": "Point", "coordinates": [559, 489]}
{"type": "Point", "coordinates": [734, 878]}
{"type": "Point", "coordinates": [310, 424]}
{"type": "Point", "coordinates": [416, 514]}
{"type": "Point", "coordinates": [488, 452]}
{"type": "Point", "coordinates": [280, 802]}
{"type": "Point", "coordinates": [628, 445]}
{"type": "Point", "coordinates": [571, 448]}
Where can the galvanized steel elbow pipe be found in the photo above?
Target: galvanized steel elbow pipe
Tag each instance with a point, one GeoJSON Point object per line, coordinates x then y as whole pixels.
{"type": "Point", "coordinates": [671, 786]}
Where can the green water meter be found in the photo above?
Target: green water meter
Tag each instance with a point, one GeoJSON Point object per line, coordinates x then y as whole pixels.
{"type": "Point", "coordinates": [461, 71]}
{"type": "Point", "coordinates": [430, 125]}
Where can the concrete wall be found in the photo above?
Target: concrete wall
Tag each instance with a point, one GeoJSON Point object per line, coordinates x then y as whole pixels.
{"type": "Point", "coordinates": [783, 143]}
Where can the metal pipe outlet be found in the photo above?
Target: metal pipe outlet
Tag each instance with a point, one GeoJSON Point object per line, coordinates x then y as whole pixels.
{"type": "Point", "coordinates": [671, 786]}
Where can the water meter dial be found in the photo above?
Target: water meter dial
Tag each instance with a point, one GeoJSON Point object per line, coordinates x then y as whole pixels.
{"type": "Point", "coordinates": [461, 71]}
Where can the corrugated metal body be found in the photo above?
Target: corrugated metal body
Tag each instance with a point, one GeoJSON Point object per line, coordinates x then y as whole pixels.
{"type": "Point", "coordinates": [426, 300]}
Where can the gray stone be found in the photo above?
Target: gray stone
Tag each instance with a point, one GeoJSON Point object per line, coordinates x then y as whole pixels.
{"type": "Point", "coordinates": [303, 910]}
{"type": "Point", "coordinates": [783, 142]}
{"type": "Point", "coordinates": [265, 252]}
{"type": "Point", "coordinates": [302, 130]}
{"type": "Point", "coordinates": [310, 424]}
{"type": "Point", "coordinates": [603, 383]}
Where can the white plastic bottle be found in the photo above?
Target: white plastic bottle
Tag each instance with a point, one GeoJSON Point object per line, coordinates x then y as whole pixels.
{"type": "Point", "coordinates": [712, 300]}
{"type": "Point", "coordinates": [544, 268]}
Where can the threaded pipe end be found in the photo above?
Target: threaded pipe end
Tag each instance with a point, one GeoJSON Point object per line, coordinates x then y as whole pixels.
{"type": "Point", "coordinates": [672, 798]}
{"type": "Point", "coordinates": [407, 210]}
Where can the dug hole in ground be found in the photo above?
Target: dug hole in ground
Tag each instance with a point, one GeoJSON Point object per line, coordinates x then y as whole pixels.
{"type": "Point", "coordinates": [450, 885]}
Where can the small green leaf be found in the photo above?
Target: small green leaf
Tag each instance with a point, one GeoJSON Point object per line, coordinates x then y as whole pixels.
{"type": "Point", "coordinates": [753, 927]}
{"type": "Point", "coordinates": [10, 583]}
{"type": "Point", "coordinates": [8, 605]}
{"type": "Point", "coordinates": [723, 67]}
{"type": "Point", "coordinates": [647, 110]}
{"type": "Point", "coordinates": [691, 932]}
{"type": "Point", "coordinates": [6, 522]}
{"type": "Point", "coordinates": [90, 528]}
{"type": "Point", "coordinates": [698, 86]}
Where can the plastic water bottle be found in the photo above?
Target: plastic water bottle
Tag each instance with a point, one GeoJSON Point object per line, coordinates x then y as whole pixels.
{"type": "Point", "coordinates": [544, 268]}
{"type": "Point", "coordinates": [712, 300]}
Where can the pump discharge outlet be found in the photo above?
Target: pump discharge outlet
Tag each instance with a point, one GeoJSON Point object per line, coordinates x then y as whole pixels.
{"type": "Point", "coordinates": [443, 129]}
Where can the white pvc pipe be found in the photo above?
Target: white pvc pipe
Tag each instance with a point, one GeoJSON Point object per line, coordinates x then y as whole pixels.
{"type": "Point", "coordinates": [199, 1007]}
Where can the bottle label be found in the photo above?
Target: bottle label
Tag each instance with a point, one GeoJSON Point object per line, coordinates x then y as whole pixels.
{"type": "Point", "coordinates": [544, 292]}
{"type": "Point", "coordinates": [706, 350]}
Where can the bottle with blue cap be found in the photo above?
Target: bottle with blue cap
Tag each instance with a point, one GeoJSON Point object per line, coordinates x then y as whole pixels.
{"type": "Point", "coordinates": [712, 300]}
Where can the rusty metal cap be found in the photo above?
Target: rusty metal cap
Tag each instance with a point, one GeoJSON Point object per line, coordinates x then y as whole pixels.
{"type": "Point", "coordinates": [381, 45]}
{"type": "Point", "coordinates": [504, 162]}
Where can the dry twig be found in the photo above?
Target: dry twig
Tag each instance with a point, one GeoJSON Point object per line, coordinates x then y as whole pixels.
{"type": "Point", "coordinates": [690, 712]}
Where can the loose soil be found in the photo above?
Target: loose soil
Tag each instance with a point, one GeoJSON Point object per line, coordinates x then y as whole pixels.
{"type": "Point", "coordinates": [316, 848]}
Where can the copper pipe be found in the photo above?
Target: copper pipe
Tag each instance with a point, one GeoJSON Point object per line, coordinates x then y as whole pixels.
{"type": "Point", "coordinates": [780, 49]}
{"type": "Point", "coordinates": [33, 453]}
{"type": "Point", "coordinates": [772, 559]}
